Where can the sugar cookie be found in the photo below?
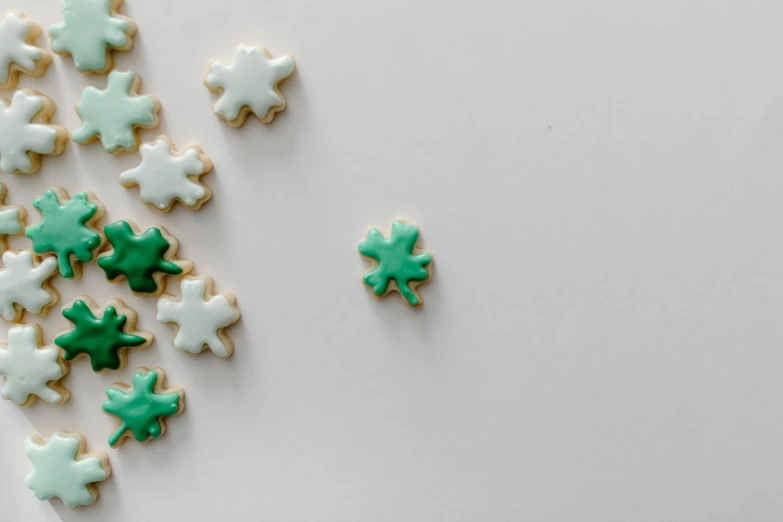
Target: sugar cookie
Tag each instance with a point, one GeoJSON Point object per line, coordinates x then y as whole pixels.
{"type": "Point", "coordinates": [102, 335]}
{"type": "Point", "coordinates": [200, 316]}
{"type": "Point", "coordinates": [143, 259]}
{"type": "Point", "coordinates": [91, 29]}
{"type": "Point", "coordinates": [30, 370]}
{"type": "Point", "coordinates": [116, 113]}
{"type": "Point", "coordinates": [24, 285]}
{"type": "Point", "coordinates": [396, 264]}
{"type": "Point", "coordinates": [26, 132]}
{"type": "Point", "coordinates": [62, 468]}
{"type": "Point", "coordinates": [251, 83]}
{"type": "Point", "coordinates": [166, 176]}
{"type": "Point", "coordinates": [67, 229]}
{"type": "Point", "coordinates": [12, 218]}
{"type": "Point", "coordinates": [143, 407]}
{"type": "Point", "coordinates": [18, 54]}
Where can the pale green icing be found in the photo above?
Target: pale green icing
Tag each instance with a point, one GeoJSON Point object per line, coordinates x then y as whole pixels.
{"type": "Point", "coordinates": [9, 222]}
{"type": "Point", "coordinates": [87, 29]}
{"type": "Point", "coordinates": [57, 473]}
{"type": "Point", "coordinates": [113, 113]}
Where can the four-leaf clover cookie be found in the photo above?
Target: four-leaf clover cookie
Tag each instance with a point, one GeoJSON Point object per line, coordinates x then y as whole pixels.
{"type": "Point", "coordinates": [200, 316]}
{"type": "Point", "coordinates": [116, 113]}
{"type": "Point", "coordinates": [102, 334]}
{"type": "Point", "coordinates": [67, 229]}
{"type": "Point", "coordinates": [250, 84]}
{"type": "Point", "coordinates": [143, 407]}
{"type": "Point", "coordinates": [24, 285]}
{"type": "Point", "coordinates": [91, 29]}
{"type": "Point", "coordinates": [17, 52]}
{"type": "Point", "coordinates": [25, 132]}
{"type": "Point", "coordinates": [31, 371]}
{"type": "Point", "coordinates": [166, 176]}
{"type": "Point", "coordinates": [143, 259]}
{"type": "Point", "coordinates": [396, 264]}
{"type": "Point", "coordinates": [63, 468]}
{"type": "Point", "coordinates": [12, 219]}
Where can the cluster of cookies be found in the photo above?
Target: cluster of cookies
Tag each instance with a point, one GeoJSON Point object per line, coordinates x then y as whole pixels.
{"type": "Point", "coordinates": [69, 234]}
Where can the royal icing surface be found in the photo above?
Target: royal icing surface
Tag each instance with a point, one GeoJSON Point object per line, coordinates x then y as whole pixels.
{"type": "Point", "coordinates": [101, 339]}
{"type": "Point", "coordinates": [163, 176]}
{"type": "Point", "coordinates": [15, 48]}
{"type": "Point", "coordinates": [22, 283]}
{"type": "Point", "coordinates": [199, 316]}
{"type": "Point", "coordinates": [112, 114]}
{"type": "Point", "coordinates": [141, 409]}
{"type": "Point", "coordinates": [137, 257]}
{"type": "Point", "coordinates": [396, 260]}
{"type": "Point", "coordinates": [28, 368]}
{"type": "Point", "coordinates": [57, 472]}
{"type": "Point", "coordinates": [251, 80]}
{"type": "Point", "coordinates": [10, 224]}
{"type": "Point", "coordinates": [62, 229]}
{"type": "Point", "coordinates": [19, 135]}
{"type": "Point", "coordinates": [11, 218]}
{"type": "Point", "coordinates": [87, 32]}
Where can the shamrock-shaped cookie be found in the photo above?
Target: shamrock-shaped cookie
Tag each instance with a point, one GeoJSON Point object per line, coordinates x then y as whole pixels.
{"type": "Point", "coordinates": [11, 219]}
{"type": "Point", "coordinates": [31, 371]}
{"type": "Point", "coordinates": [250, 84]}
{"type": "Point", "coordinates": [116, 113]}
{"type": "Point", "coordinates": [91, 29]}
{"type": "Point", "coordinates": [143, 407]}
{"type": "Point", "coordinates": [104, 335]}
{"type": "Point", "coordinates": [143, 259]}
{"type": "Point", "coordinates": [166, 176]}
{"type": "Point", "coordinates": [67, 229]}
{"type": "Point", "coordinates": [200, 316]}
{"type": "Point", "coordinates": [24, 285]}
{"type": "Point", "coordinates": [25, 132]}
{"type": "Point", "coordinates": [17, 52]}
{"type": "Point", "coordinates": [396, 265]}
{"type": "Point", "coordinates": [63, 468]}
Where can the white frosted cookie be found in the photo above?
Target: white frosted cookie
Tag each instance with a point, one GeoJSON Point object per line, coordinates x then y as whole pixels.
{"type": "Point", "coordinates": [26, 132]}
{"type": "Point", "coordinates": [251, 83]}
{"type": "Point", "coordinates": [166, 176]}
{"type": "Point", "coordinates": [30, 370]}
{"type": "Point", "coordinates": [24, 285]}
{"type": "Point", "coordinates": [200, 316]}
{"type": "Point", "coordinates": [17, 52]}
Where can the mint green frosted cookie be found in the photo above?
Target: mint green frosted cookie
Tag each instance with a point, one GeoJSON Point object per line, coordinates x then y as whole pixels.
{"type": "Point", "coordinates": [116, 113]}
{"type": "Point", "coordinates": [62, 468]}
{"type": "Point", "coordinates": [91, 29]}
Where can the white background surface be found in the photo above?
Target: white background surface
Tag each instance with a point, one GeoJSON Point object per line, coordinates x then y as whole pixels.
{"type": "Point", "coordinates": [600, 183]}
